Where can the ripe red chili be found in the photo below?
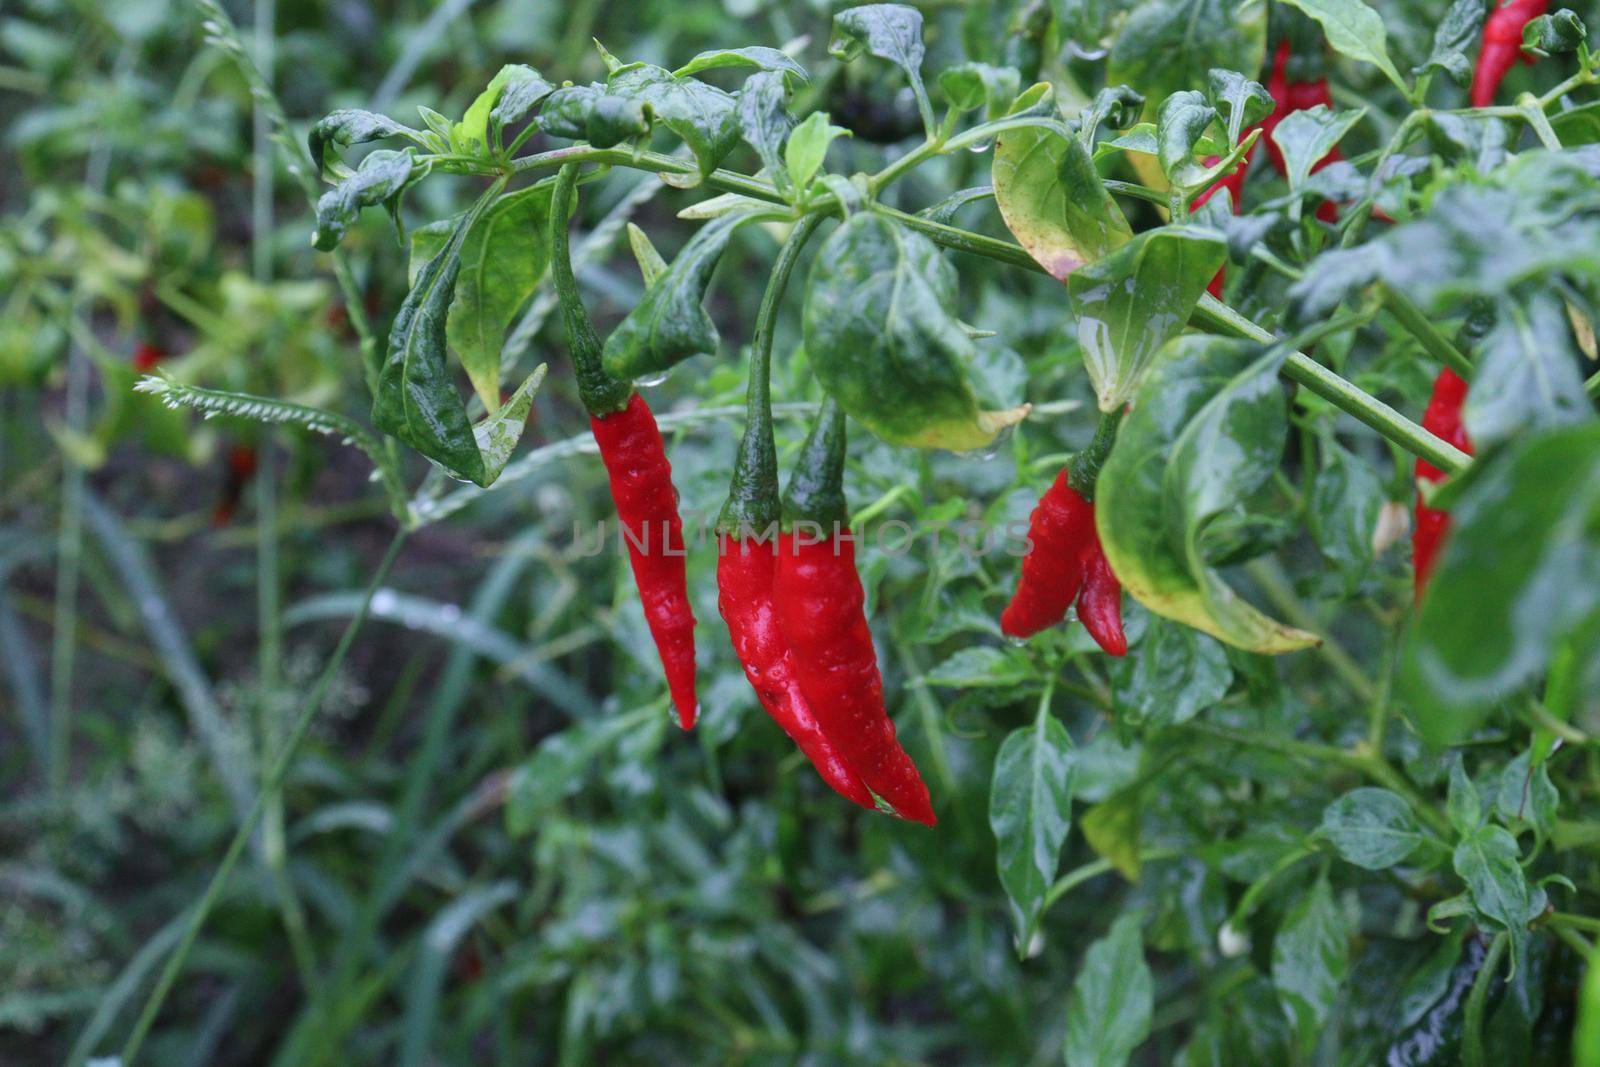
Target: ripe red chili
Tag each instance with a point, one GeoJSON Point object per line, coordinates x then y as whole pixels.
{"type": "Point", "coordinates": [146, 355]}
{"type": "Point", "coordinates": [1502, 47]}
{"type": "Point", "coordinates": [640, 476]}
{"type": "Point", "coordinates": [1065, 561]}
{"type": "Point", "coordinates": [240, 468]}
{"type": "Point", "coordinates": [1442, 419]}
{"type": "Point", "coordinates": [821, 615]}
{"type": "Point", "coordinates": [745, 573]}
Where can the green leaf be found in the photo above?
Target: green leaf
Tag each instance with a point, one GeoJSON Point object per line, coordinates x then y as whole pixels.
{"type": "Point", "coordinates": [1166, 46]}
{"type": "Point", "coordinates": [470, 136]}
{"type": "Point", "coordinates": [416, 401]}
{"type": "Point", "coordinates": [1353, 29]}
{"type": "Point", "coordinates": [1138, 298]}
{"type": "Point", "coordinates": [969, 86]}
{"type": "Point", "coordinates": [1176, 673]}
{"type": "Point", "coordinates": [808, 147]}
{"type": "Point", "coordinates": [651, 265]}
{"type": "Point", "coordinates": [1487, 861]}
{"type": "Point", "coordinates": [1372, 828]}
{"type": "Point", "coordinates": [1516, 580]}
{"type": "Point", "coordinates": [382, 177]}
{"type": "Point", "coordinates": [1030, 810]}
{"type": "Point", "coordinates": [1116, 107]}
{"type": "Point", "coordinates": [1306, 136]}
{"type": "Point", "coordinates": [1310, 957]}
{"type": "Point", "coordinates": [764, 123]}
{"type": "Point", "coordinates": [1113, 829]}
{"type": "Point", "coordinates": [1526, 795]}
{"type": "Point", "coordinates": [1464, 805]}
{"type": "Point", "coordinates": [1553, 34]}
{"type": "Point", "coordinates": [758, 56]}
{"type": "Point", "coordinates": [670, 323]}
{"type": "Point", "coordinates": [1108, 1015]}
{"type": "Point", "coordinates": [702, 116]}
{"type": "Point", "coordinates": [1053, 201]}
{"type": "Point", "coordinates": [1454, 37]}
{"type": "Point", "coordinates": [502, 261]}
{"type": "Point", "coordinates": [590, 113]}
{"type": "Point", "coordinates": [882, 336]}
{"type": "Point", "coordinates": [1180, 122]}
{"type": "Point", "coordinates": [523, 91]}
{"type": "Point", "coordinates": [1207, 429]}
{"type": "Point", "coordinates": [1342, 511]}
{"type": "Point", "coordinates": [1529, 377]}
{"type": "Point", "coordinates": [886, 31]}
{"type": "Point", "coordinates": [349, 126]}
{"type": "Point", "coordinates": [981, 667]}
{"type": "Point", "coordinates": [1240, 101]}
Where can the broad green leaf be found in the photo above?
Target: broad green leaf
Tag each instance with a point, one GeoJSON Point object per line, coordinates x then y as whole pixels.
{"type": "Point", "coordinates": [886, 31]}
{"type": "Point", "coordinates": [416, 400]}
{"type": "Point", "coordinates": [1488, 862]}
{"type": "Point", "coordinates": [981, 667]}
{"type": "Point", "coordinates": [758, 56]}
{"type": "Point", "coordinates": [1181, 120]}
{"type": "Point", "coordinates": [1240, 101]}
{"type": "Point", "coordinates": [881, 334]}
{"type": "Point", "coordinates": [1353, 29]}
{"type": "Point", "coordinates": [591, 113]}
{"type": "Point", "coordinates": [1310, 957]}
{"type": "Point", "coordinates": [670, 324]}
{"type": "Point", "coordinates": [382, 177]}
{"type": "Point", "coordinates": [808, 147]}
{"type": "Point", "coordinates": [1516, 580]}
{"type": "Point", "coordinates": [1108, 1015]}
{"type": "Point", "coordinates": [1372, 828]}
{"type": "Point", "coordinates": [1138, 298]}
{"type": "Point", "coordinates": [969, 86]}
{"type": "Point", "coordinates": [1112, 828]}
{"type": "Point", "coordinates": [1529, 377]}
{"type": "Point", "coordinates": [1165, 46]}
{"type": "Point", "coordinates": [1030, 810]}
{"type": "Point", "coordinates": [349, 126]}
{"type": "Point", "coordinates": [764, 123]}
{"type": "Point", "coordinates": [1053, 200]}
{"type": "Point", "coordinates": [1207, 428]}
{"type": "Point", "coordinates": [1175, 673]}
{"type": "Point", "coordinates": [1306, 136]}
{"type": "Point", "coordinates": [702, 116]}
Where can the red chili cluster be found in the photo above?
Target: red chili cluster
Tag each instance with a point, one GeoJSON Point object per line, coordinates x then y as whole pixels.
{"type": "Point", "coordinates": [1443, 420]}
{"type": "Point", "coordinates": [1065, 562]}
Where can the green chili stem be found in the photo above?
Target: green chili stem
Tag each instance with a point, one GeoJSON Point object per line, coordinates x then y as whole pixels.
{"type": "Point", "coordinates": [1477, 1001]}
{"type": "Point", "coordinates": [1084, 470]}
{"type": "Point", "coordinates": [271, 784]}
{"type": "Point", "coordinates": [1416, 323]}
{"type": "Point", "coordinates": [753, 502]}
{"type": "Point", "coordinates": [1089, 871]}
{"type": "Point", "coordinates": [601, 393]}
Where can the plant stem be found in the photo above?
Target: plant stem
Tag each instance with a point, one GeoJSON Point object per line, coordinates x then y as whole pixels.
{"type": "Point", "coordinates": [270, 786]}
{"type": "Point", "coordinates": [1477, 1000]}
{"type": "Point", "coordinates": [1417, 324]}
{"type": "Point", "coordinates": [1268, 574]}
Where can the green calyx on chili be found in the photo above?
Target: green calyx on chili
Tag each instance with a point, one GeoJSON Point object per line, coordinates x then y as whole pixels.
{"type": "Point", "coordinates": [636, 466]}
{"type": "Point", "coordinates": [821, 614]}
{"type": "Point", "coordinates": [1065, 562]}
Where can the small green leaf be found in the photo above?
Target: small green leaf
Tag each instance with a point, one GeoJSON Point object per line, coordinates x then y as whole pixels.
{"type": "Point", "coordinates": [1454, 37]}
{"type": "Point", "coordinates": [349, 126]}
{"type": "Point", "coordinates": [1176, 673]}
{"type": "Point", "coordinates": [1053, 201]}
{"type": "Point", "coordinates": [1115, 107]}
{"type": "Point", "coordinates": [1488, 862]}
{"type": "Point", "coordinates": [651, 265]}
{"type": "Point", "coordinates": [702, 116]}
{"type": "Point", "coordinates": [382, 177]}
{"type": "Point", "coordinates": [1372, 828]}
{"type": "Point", "coordinates": [1030, 809]}
{"type": "Point", "coordinates": [886, 31]}
{"type": "Point", "coordinates": [1181, 121]}
{"type": "Point", "coordinates": [1529, 377]}
{"type": "Point", "coordinates": [470, 136]}
{"type": "Point", "coordinates": [764, 123]}
{"type": "Point", "coordinates": [1240, 101]}
{"type": "Point", "coordinates": [1306, 136]}
{"type": "Point", "coordinates": [524, 90]}
{"type": "Point", "coordinates": [670, 324]}
{"type": "Point", "coordinates": [1342, 511]}
{"type": "Point", "coordinates": [590, 113]}
{"type": "Point", "coordinates": [1113, 829]}
{"type": "Point", "coordinates": [808, 147]}
{"type": "Point", "coordinates": [1464, 805]}
{"type": "Point", "coordinates": [1206, 430]}
{"type": "Point", "coordinates": [981, 667]}
{"type": "Point", "coordinates": [1553, 34]}
{"type": "Point", "coordinates": [1355, 30]}
{"type": "Point", "coordinates": [1526, 795]}
{"type": "Point", "coordinates": [1108, 1015]}
{"type": "Point", "coordinates": [758, 56]}
{"type": "Point", "coordinates": [882, 336]}
{"type": "Point", "coordinates": [969, 86]}
{"type": "Point", "coordinates": [1310, 957]}
{"type": "Point", "coordinates": [1136, 299]}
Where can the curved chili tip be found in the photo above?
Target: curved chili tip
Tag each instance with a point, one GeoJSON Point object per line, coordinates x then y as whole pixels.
{"type": "Point", "coordinates": [1100, 603]}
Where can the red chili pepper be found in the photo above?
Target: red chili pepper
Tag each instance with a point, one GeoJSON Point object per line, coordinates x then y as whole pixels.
{"type": "Point", "coordinates": [146, 355]}
{"type": "Point", "coordinates": [641, 478]}
{"type": "Point", "coordinates": [821, 615]}
{"type": "Point", "coordinates": [1065, 561]}
{"type": "Point", "coordinates": [746, 570]}
{"type": "Point", "coordinates": [241, 467]}
{"type": "Point", "coordinates": [1443, 420]}
{"type": "Point", "coordinates": [1502, 47]}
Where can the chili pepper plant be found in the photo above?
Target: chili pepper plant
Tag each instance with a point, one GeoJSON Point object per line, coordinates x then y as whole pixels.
{"type": "Point", "coordinates": [1098, 512]}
